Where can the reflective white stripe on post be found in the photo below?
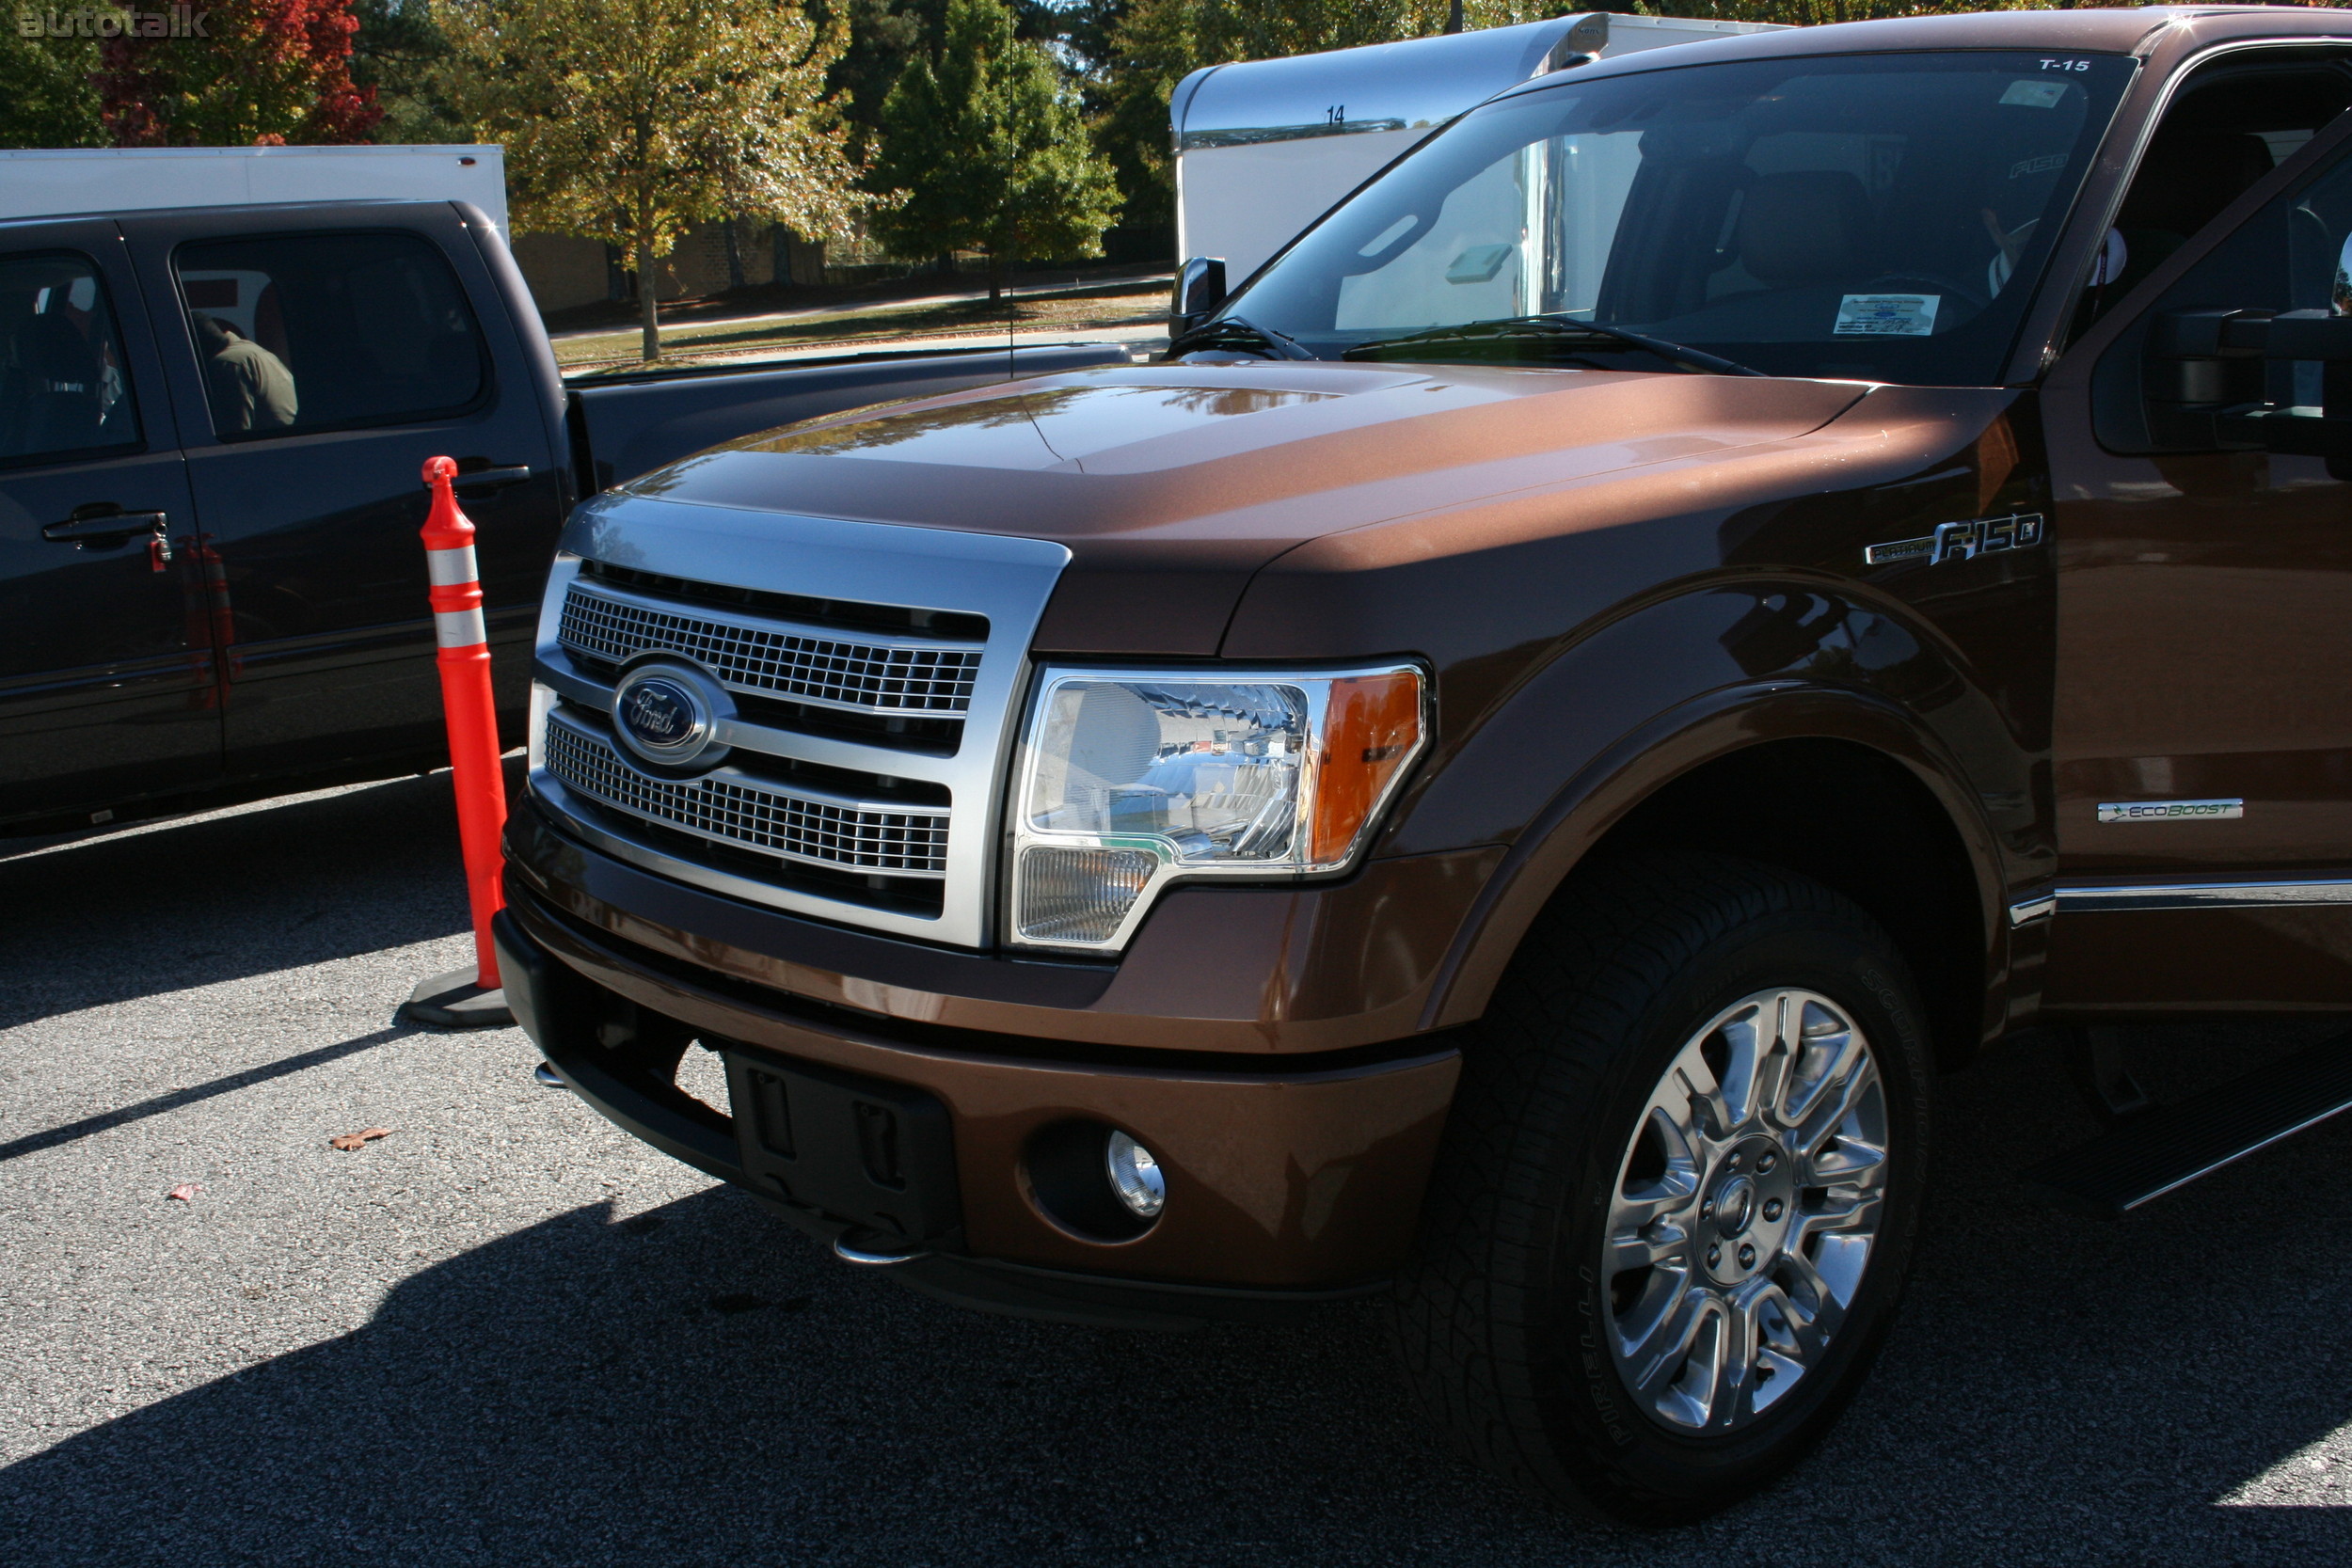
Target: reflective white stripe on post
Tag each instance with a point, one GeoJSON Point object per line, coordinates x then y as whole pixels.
{"type": "Point", "coordinates": [459, 628]}
{"type": "Point", "coordinates": [450, 568]}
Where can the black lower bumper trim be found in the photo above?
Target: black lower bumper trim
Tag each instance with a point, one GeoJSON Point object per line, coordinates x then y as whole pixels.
{"type": "Point", "coordinates": [555, 1006]}
{"type": "Point", "coordinates": [656, 1113]}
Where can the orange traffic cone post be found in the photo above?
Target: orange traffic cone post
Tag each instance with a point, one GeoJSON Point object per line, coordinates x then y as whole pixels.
{"type": "Point", "coordinates": [465, 998]}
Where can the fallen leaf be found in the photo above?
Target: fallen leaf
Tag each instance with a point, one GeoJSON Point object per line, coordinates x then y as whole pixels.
{"type": "Point", "coordinates": [350, 1141]}
{"type": "Point", "coordinates": [185, 1192]}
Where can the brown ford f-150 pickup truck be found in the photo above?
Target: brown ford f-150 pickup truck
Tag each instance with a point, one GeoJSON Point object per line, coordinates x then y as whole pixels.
{"type": "Point", "coordinates": [1499, 773]}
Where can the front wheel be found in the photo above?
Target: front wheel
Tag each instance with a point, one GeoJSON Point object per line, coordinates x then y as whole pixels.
{"type": "Point", "coordinates": [1679, 1189]}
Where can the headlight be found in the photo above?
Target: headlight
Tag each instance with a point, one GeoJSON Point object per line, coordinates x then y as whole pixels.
{"type": "Point", "coordinates": [1133, 780]}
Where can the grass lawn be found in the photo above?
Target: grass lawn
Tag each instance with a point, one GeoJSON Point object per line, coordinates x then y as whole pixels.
{"type": "Point", "coordinates": [871, 325]}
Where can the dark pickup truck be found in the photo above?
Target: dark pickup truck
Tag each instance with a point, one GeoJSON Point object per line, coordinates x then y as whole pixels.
{"type": "Point", "coordinates": [1499, 775]}
{"type": "Point", "coordinates": [211, 422]}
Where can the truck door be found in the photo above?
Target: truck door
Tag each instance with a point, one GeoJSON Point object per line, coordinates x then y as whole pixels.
{"type": "Point", "coordinates": [2203, 716]}
{"type": "Point", "coordinates": [106, 662]}
{"type": "Point", "coordinates": [317, 359]}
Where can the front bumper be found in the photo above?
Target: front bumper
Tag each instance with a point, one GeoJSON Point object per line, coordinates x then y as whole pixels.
{"type": "Point", "coordinates": [1284, 1187]}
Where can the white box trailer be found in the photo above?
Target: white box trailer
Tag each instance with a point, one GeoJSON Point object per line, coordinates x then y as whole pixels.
{"type": "Point", "coordinates": [64, 182]}
{"type": "Point", "coordinates": [1263, 148]}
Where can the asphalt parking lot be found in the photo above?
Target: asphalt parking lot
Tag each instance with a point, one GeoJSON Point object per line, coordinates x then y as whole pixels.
{"type": "Point", "coordinates": [505, 1333]}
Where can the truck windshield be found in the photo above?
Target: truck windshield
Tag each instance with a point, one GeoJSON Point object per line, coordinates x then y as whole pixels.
{"type": "Point", "coordinates": [1877, 217]}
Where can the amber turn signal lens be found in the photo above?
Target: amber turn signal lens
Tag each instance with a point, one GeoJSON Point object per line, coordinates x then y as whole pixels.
{"type": "Point", "coordinates": [1370, 727]}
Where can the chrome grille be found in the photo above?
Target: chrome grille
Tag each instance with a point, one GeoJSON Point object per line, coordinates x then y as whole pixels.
{"type": "Point", "coordinates": [901, 844]}
{"type": "Point", "coordinates": [886, 822]}
{"type": "Point", "coordinates": [794, 664]}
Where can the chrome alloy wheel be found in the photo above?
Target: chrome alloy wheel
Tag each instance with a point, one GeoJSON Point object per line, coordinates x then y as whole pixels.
{"type": "Point", "coordinates": [1744, 1210]}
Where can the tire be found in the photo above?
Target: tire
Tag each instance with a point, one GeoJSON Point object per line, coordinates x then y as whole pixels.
{"type": "Point", "coordinates": [1520, 1325]}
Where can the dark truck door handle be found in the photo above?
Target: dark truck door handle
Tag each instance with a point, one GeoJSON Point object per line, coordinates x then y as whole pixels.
{"type": "Point", "coordinates": [112, 528]}
{"type": "Point", "coordinates": [482, 481]}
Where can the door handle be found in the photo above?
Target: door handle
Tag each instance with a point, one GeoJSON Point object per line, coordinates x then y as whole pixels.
{"type": "Point", "coordinates": [112, 528]}
{"type": "Point", "coordinates": [482, 481]}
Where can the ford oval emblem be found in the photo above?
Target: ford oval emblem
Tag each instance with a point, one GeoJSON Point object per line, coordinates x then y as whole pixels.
{"type": "Point", "coordinates": [663, 717]}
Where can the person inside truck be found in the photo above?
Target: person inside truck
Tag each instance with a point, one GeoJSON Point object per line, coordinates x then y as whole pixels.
{"type": "Point", "coordinates": [250, 388]}
{"type": "Point", "coordinates": [61, 383]}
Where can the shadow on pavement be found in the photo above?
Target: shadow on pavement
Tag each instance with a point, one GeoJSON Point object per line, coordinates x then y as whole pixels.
{"type": "Point", "coordinates": [74, 1131]}
{"type": "Point", "coordinates": [699, 1385]}
{"type": "Point", "coordinates": [208, 899]}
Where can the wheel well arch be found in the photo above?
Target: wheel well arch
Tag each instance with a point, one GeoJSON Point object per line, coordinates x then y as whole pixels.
{"type": "Point", "coordinates": [1856, 820]}
{"type": "Point", "coordinates": [1835, 788]}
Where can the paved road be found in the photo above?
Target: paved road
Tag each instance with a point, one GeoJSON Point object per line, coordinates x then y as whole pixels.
{"type": "Point", "coordinates": [507, 1334]}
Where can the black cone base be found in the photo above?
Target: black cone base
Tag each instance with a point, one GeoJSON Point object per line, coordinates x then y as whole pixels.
{"type": "Point", "coordinates": [452, 1001]}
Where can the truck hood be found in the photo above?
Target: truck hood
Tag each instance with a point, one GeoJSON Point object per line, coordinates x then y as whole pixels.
{"type": "Point", "coordinates": [1172, 484]}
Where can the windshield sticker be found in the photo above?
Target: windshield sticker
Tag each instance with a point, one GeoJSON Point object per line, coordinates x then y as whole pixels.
{"type": "Point", "coordinates": [1478, 264]}
{"type": "Point", "coordinates": [2048, 163]}
{"type": "Point", "coordinates": [1886, 315]}
{"type": "Point", "coordinates": [2035, 95]}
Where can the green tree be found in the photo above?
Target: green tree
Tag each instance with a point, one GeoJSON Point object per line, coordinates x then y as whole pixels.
{"type": "Point", "coordinates": [628, 120]}
{"type": "Point", "coordinates": [985, 136]}
{"type": "Point", "coordinates": [398, 53]}
{"type": "Point", "coordinates": [886, 37]}
{"type": "Point", "coordinates": [46, 97]}
{"type": "Point", "coordinates": [1147, 51]}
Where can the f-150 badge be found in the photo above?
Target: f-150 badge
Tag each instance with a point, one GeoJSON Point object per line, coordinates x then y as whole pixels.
{"type": "Point", "coordinates": [1965, 541]}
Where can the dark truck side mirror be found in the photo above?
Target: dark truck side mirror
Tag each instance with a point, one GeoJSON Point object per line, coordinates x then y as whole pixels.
{"type": "Point", "coordinates": [2208, 383]}
{"type": "Point", "coordinates": [1200, 289]}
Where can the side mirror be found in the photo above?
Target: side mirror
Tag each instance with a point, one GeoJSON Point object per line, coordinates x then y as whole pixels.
{"type": "Point", "coordinates": [1200, 289]}
{"type": "Point", "coordinates": [2207, 389]}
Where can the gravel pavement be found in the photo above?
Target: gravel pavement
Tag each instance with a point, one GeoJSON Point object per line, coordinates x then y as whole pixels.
{"type": "Point", "coordinates": [508, 1333]}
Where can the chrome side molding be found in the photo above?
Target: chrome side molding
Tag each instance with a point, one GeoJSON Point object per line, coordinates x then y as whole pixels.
{"type": "Point", "coordinates": [2198, 895]}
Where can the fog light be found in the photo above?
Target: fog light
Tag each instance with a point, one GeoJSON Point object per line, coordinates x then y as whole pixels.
{"type": "Point", "coordinates": [1135, 1176]}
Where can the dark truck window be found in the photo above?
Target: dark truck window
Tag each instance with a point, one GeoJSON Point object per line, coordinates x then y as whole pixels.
{"type": "Point", "coordinates": [1874, 217]}
{"type": "Point", "coordinates": [2234, 124]}
{"type": "Point", "coordinates": [63, 389]}
{"type": "Point", "coordinates": [303, 332]}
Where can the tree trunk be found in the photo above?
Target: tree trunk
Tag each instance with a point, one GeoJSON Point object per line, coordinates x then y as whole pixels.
{"type": "Point", "coordinates": [995, 278]}
{"type": "Point", "coordinates": [648, 304]}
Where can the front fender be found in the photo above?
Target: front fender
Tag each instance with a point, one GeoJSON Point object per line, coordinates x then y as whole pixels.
{"type": "Point", "coordinates": [1672, 686]}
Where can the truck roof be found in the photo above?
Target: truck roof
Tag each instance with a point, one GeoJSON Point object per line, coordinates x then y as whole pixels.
{"type": "Point", "coordinates": [260, 209]}
{"type": "Point", "coordinates": [2108, 31]}
{"type": "Point", "coordinates": [93, 182]}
